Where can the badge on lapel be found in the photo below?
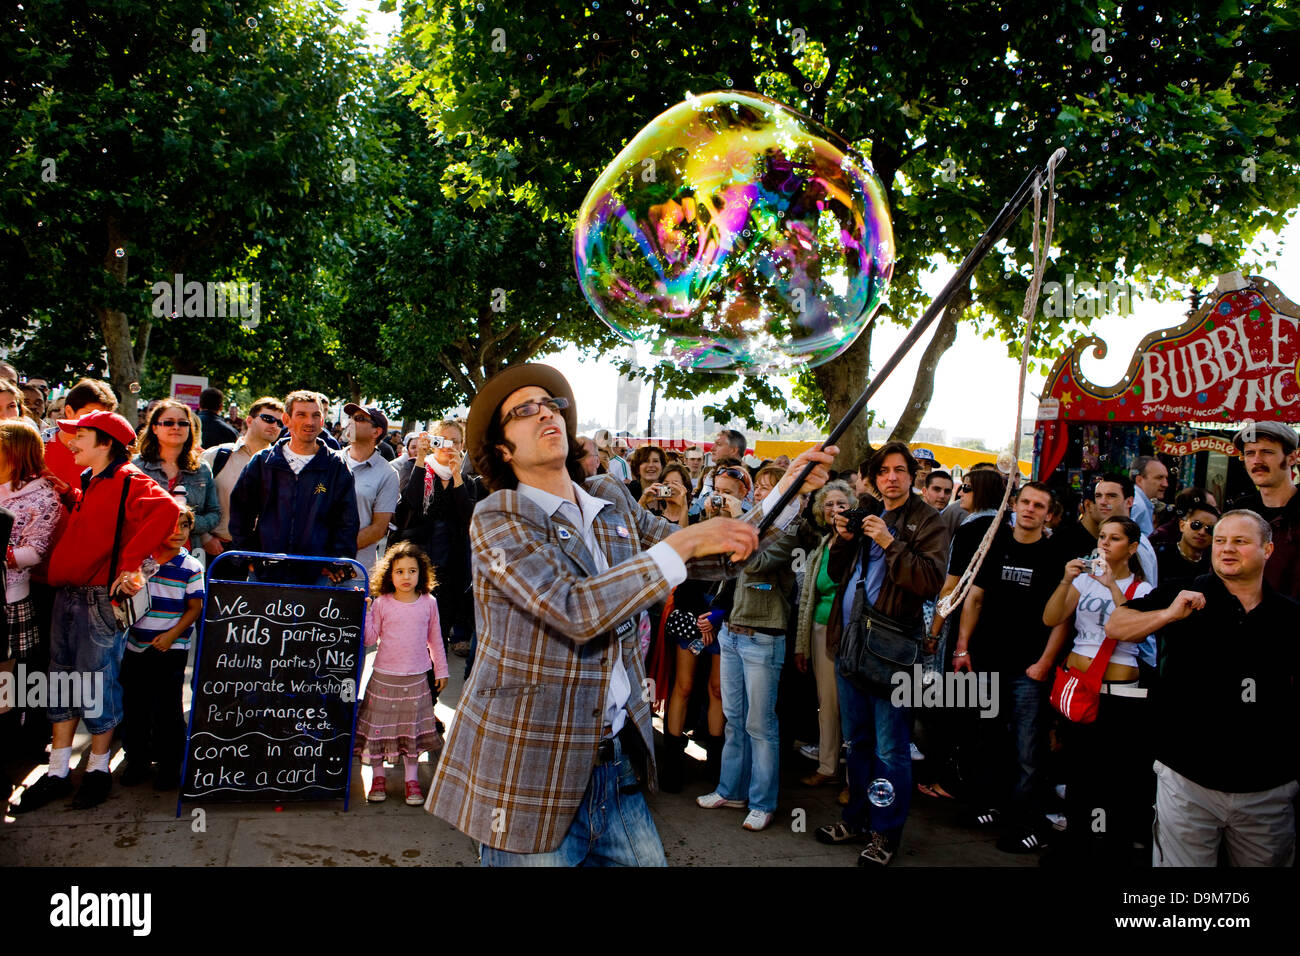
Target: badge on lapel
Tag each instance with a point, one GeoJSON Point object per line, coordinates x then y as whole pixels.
{"type": "Point", "coordinates": [622, 531]}
{"type": "Point", "coordinates": [563, 533]}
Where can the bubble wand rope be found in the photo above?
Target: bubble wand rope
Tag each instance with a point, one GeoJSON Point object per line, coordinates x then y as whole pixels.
{"type": "Point", "coordinates": [1028, 190]}
{"type": "Point", "coordinates": [958, 594]}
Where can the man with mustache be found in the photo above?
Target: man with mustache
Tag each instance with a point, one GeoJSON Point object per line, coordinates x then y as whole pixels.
{"type": "Point", "coordinates": [1268, 449]}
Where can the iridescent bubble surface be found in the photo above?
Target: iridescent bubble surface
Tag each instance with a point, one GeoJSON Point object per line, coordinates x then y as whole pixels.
{"type": "Point", "coordinates": [880, 792]}
{"type": "Point", "coordinates": [734, 234]}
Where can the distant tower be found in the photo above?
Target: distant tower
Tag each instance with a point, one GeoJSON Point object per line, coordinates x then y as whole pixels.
{"type": "Point", "coordinates": [628, 399]}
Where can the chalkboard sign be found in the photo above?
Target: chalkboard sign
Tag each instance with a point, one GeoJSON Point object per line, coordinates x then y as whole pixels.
{"type": "Point", "coordinates": [275, 689]}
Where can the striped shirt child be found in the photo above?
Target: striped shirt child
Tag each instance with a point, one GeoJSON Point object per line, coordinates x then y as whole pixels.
{"type": "Point", "coordinates": [175, 584]}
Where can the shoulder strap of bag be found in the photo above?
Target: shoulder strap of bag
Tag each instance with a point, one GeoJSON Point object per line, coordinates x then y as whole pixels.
{"type": "Point", "coordinates": [1097, 669]}
{"type": "Point", "coordinates": [117, 532]}
{"type": "Point", "coordinates": [219, 460]}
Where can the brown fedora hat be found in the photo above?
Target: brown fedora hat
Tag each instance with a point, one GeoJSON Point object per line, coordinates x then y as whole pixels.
{"type": "Point", "coordinates": [488, 401]}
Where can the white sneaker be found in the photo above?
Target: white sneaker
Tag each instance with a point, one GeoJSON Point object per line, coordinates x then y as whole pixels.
{"type": "Point", "coordinates": [1058, 820]}
{"type": "Point", "coordinates": [811, 751]}
{"type": "Point", "coordinates": [916, 752]}
{"type": "Point", "coordinates": [715, 800]}
{"type": "Point", "coordinates": [757, 820]}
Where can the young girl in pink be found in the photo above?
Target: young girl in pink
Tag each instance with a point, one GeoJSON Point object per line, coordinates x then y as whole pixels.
{"type": "Point", "coordinates": [397, 717]}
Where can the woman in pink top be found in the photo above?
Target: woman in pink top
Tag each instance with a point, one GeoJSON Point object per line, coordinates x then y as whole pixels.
{"type": "Point", "coordinates": [397, 715]}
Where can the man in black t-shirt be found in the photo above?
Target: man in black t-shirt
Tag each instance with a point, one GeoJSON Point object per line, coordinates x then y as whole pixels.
{"type": "Point", "coordinates": [1002, 635]}
{"type": "Point", "coordinates": [1225, 707]}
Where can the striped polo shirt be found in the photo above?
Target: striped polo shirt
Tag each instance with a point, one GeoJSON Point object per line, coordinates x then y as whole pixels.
{"type": "Point", "coordinates": [175, 584]}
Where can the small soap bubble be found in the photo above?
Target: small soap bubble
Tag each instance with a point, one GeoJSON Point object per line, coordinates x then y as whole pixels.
{"type": "Point", "coordinates": [1006, 463]}
{"type": "Point", "coordinates": [880, 792]}
{"type": "Point", "coordinates": [135, 388]}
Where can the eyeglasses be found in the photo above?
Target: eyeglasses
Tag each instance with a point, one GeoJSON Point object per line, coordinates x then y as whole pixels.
{"type": "Point", "coordinates": [965, 489]}
{"type": "Point", "coordinates": [1199, 525]}
{"type": "Point", "coordinates": [269, 419]}
{"type": "Point", "coordinates": [172, 423]}
{"type": "Point", "coordinates": [529, 409]}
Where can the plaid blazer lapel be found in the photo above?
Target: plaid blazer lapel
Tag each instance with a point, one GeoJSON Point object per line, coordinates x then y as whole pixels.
{"type": "Point", "coordinates": [614, 534]}
{"type": "Point", "coordinates": [570, 539]}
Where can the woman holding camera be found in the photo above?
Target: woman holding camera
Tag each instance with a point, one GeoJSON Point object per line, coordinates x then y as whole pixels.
{"type": "Point", "coordinates": [691, 627]}
{"type": "Point", "coordinates": [647, 464]}
{"type": "Point", "coordinates": [1107, 762]}
{"type": "Point", "coordinates": [434, 512]}
{"type": "Point", "coordinates": [668, 497]}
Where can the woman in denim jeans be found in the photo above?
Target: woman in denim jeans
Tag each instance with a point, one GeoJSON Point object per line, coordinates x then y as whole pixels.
{"type": "Point", "coordinates": [169, 454]}
{"type": "Point", "coordinates": [753, 652]}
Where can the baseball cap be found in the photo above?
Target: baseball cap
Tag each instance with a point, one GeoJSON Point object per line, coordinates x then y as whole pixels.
{"type": "Point", "coordinates": [924, 454]}
{"type": "Point", "coordinates": [377, 418]}
{"type": "Point", "coordinates": [110, 423]}
{"type": "Point", "coordinates": [1284, 434]}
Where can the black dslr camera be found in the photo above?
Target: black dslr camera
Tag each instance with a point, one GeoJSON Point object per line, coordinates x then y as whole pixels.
{"type": "Point", "coordinates": [854, 517]}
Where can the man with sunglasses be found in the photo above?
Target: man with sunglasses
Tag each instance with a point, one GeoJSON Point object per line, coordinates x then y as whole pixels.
{"type": "Point", "coordinates": [552, 740]}
{"type": "Point", "coordinates": [227, 462]}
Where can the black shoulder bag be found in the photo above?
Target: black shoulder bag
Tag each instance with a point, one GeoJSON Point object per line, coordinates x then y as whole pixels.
{"type": "Point", "coordinates": [875, 647]}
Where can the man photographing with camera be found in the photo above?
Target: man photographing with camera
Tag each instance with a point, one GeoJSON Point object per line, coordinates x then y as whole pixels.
{"type": "Point", "coordinates": [545, 762]}
{"type": "Point", "coordinates": [887, 563]}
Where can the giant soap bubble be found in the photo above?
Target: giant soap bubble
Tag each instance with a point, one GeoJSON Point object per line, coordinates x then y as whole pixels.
{"type": "Point", "coordinates": [734, 234]}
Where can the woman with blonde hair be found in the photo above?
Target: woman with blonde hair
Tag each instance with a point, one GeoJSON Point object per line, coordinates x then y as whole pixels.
{"type": "Point", "coordinates": [815, 602]}
{"type": "Point", "coordinates": [169, 454]}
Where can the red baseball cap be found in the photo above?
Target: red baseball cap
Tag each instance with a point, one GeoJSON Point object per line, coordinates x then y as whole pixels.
{"type": "Point", "coordinates": [110, 423]}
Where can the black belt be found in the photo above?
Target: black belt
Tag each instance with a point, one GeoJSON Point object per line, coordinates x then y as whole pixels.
{"type": "Point", "coordinates": [608, 750]}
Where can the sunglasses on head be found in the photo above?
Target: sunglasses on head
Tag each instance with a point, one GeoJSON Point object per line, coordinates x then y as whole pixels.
{"type": "Point", "coordinates": [736, 473]}
{"type": "Point", "coordinates": [529, 409]}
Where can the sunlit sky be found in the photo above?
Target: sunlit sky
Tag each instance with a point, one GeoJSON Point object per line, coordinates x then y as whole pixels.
{"type": "Point", "coordinates": [975, 388]}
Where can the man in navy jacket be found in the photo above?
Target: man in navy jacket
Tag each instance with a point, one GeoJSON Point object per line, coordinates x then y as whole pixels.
{"type": "Point", "coordinates": [296, 497]}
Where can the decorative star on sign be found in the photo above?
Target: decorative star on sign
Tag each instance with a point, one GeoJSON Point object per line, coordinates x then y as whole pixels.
{"type": "Point", "coordinates": [1066, 398]}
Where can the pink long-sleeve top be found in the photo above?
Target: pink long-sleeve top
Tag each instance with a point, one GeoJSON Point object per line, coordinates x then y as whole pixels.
{"type": "Point", "coordinates": [37, 511]}
{"type": "Point", "coordinates": [409, 636]}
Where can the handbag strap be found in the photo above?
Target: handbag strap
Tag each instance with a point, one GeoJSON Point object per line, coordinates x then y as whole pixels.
{"type": "Point", "coordinates": [1092, 677]}
{"type": "Point", "coordinates": [117, 532]}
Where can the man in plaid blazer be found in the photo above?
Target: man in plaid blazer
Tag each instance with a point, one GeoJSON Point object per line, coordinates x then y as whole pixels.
{"type": "Point", "coordinates": [552, 740]}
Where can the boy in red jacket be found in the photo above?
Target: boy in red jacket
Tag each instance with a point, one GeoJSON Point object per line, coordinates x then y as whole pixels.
{"type": "Point", "coordinates": [86, 641]}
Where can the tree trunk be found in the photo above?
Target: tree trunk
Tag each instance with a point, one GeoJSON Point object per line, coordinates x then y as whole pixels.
{"type": "Point", "coordinates": [841, 381]}
{"type": "Point", "coordinates": [116, 328]}
{"type": "Point", "coordinates": [945, 334]}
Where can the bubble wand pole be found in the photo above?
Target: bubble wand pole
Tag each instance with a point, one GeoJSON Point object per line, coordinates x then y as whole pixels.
{"type": "Point", "coordinates": [961, 278]}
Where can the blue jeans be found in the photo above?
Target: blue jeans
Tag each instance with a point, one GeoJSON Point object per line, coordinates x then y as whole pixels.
{"type": "Point", "coordinates": [879, 736]}
{"type": "Point", "coordinates": [1011, 749]}
{"type": "Point", "coordinates": [610, 829]}
{"type": "Point", "coordinates": [751, 752]}
{"type": "Point", "coordinates": [85, 643]}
